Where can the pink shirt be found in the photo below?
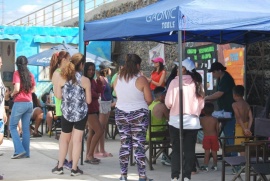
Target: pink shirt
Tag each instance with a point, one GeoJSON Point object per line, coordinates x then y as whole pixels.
{"type": "Point", "coordinates": [22, 96]}
{"type": "Point", "coordinates": [191, 104]}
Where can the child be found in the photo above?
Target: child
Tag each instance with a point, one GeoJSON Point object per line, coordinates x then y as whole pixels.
{"type": "Point", "coordinates": [243, 115]}
{"type": "Point", "coordinates": [210, 127]}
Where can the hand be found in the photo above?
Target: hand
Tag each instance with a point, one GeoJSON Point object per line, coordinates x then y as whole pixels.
{"type": "Point", "coordinates": [5, 118]}
{"type": "Point", "coordinates": [247, 132]}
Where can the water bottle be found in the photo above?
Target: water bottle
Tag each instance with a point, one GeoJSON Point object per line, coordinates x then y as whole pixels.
{"type": "Point", "coordinates": [51, 97]}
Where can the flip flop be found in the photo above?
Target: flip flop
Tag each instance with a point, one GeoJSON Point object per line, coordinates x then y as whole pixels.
{"type": "Point", "coordinates": [106, 154]}
{"type": "Point", "coordinates": [93, 161]}
{"type": "Point", "coordinates": [100, 155]}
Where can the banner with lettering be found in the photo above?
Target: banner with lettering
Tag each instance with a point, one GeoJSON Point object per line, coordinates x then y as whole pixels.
{"type": "Point", "coordinates": [234, 61]}
{"type": "Point", "coordinates": [203, 56]}
{"type": "Point", "coordinates": [157, 51]}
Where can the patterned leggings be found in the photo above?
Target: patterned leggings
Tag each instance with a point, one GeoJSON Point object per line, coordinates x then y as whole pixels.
{"type": "Point", "coordinates": [132, 129]}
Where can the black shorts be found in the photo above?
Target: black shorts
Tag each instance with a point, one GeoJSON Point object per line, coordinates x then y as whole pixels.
{"type": "Point", "coordinates": [68, 126]}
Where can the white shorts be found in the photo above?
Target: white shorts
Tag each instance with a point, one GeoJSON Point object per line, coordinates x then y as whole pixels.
{"type": "Point", "coordinates": [105, 107]}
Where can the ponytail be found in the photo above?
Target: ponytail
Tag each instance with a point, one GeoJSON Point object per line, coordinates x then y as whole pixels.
{"type": "Point", "coordinates": [197, 78]}
{"type": "Point", "coordinates": [68, 73]}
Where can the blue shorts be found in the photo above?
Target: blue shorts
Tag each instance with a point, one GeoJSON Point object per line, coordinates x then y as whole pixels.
{"type": "Point", "coordinates": [2, 126]}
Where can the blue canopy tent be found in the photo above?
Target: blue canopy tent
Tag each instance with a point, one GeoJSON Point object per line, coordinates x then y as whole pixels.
{"type": "Point", "coordinates": [221, 22]}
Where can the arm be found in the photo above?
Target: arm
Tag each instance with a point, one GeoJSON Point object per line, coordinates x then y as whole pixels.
{"type": "Point", "coordinates": [214, 96]}
{"type": "Point", "coordinates": [58, 88]}
{"type": "Point", "coordinates": [239, 120]}
{"type": "Point", "coordinates": [143, 85]}
{"type": "Point", "coordinates": [87, 86]}
{"type": "Point", "coordinates": [16, 89]}
{"type": "Point", "coordinates": [250, 119]}
{"type": "Point", "coordinates": [161, 80]}
{"type": "Point", "coordinates": [169, 97]}
{"type": "Point", "coordinates": [165, 112]}
{"type": "Point", "coordinates": [217, 127]}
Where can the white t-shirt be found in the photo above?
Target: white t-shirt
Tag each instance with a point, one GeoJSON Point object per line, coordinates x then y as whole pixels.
{"type": "Point", "coordinates": [189, 121]}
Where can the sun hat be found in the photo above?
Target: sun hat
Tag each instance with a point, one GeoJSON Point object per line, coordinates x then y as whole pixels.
{"type": "Point", "coordinates": [216, 66]}
{"type": "Point", "coordinates": [158, 59]}
{"type": "Point", "coordinates": [106, 64]}
{"type": "Point", "coordinates": [188, 64]}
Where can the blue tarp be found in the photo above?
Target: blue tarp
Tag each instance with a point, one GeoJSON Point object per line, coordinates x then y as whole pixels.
{"type": "Point", "coordinates": [222, 21]}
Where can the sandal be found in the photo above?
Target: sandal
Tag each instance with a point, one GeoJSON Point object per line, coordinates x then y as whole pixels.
{"type": "Point", "coordinates": [93, 161]}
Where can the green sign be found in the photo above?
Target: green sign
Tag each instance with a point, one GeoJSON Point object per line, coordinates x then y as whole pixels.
{"type": "Point", "coordinates": [202, 53]}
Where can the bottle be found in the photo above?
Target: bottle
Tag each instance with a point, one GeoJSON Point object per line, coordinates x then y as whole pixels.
{"type": "Point", "coordinates": [51, 97]}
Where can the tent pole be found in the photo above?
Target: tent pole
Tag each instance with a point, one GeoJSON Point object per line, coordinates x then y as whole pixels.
{"type": "Point", "coordinates": [81, 25]}
{"type": "Point", "coordinates": [180, 56]}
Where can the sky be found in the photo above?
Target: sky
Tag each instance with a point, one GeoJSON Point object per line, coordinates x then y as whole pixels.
{"type": "Point", "coordinates": [14, 9]}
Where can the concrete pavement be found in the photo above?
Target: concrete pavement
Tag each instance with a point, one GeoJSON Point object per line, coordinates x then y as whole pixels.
{"type": "Point", "coordinates": [44, 151]}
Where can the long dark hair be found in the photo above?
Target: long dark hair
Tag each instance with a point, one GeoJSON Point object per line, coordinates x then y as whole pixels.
{"type": "Point", "coordinates": [130, 68]}
{"type": "Point", "coordinates": [197, 78]}
{"type": "Point", "coordinates": [26, 82]}
{"type": "Point", "coordinates": [86, 66]}
{"type": "Point", "coordinates": [161, 68]}
{"type": "Point", "coordinates": [171, 76]}
{"type": "Point", "coordinates": [35, 100]}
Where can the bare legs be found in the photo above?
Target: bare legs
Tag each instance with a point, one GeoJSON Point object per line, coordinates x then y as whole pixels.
{"type": "Point", "coordinates": [100, 148]}
{"type": "Point", "coordinates": [95, 132]}
{"type": "Point", "coordinates": [37, 117]}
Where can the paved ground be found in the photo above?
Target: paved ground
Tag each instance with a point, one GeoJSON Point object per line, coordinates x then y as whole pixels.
{"type": "Point", "coordinates": [44, 152]}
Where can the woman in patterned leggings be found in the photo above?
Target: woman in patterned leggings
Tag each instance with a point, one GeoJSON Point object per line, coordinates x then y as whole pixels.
{"type": "Point", "coordinates": [131, 114]}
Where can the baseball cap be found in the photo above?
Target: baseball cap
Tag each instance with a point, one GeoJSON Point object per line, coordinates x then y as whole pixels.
{"type": "Point", "coordinates": [158, 59]}
{"type": "Point", "coordinates": [105, 65]}
{"type": "Point", "coordinates": [188, 64]}
{"type": "Point", "coordinates": [216, 66]}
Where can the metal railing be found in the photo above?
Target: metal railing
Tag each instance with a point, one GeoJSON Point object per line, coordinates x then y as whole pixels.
{"type": "Point", "coordinates": [57, 13]}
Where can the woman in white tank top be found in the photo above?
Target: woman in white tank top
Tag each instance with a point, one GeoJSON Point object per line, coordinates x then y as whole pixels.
{"type": "Point", "coordinates": [131, 114]}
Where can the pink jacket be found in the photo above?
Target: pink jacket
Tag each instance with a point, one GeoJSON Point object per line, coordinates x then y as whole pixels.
{"type": "Point", "coordinates": [191, 104]}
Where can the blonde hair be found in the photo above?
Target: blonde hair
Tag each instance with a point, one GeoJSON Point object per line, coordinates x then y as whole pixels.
{"type": "Point", "coordinates": [72, 67]}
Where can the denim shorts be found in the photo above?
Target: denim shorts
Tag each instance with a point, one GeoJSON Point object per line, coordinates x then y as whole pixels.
{"type": "Point", "coordinates": [2, 126]}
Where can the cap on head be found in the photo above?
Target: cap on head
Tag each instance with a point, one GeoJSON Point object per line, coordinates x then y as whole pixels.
{"type": "Point", "coordinates": [216, 66]}
{"type": "Point", "coordinates": [106, 64]}
{"type": "Point", "coordinates": [158, 59]}
{"type": "Point", "coordinates": [188, 64]}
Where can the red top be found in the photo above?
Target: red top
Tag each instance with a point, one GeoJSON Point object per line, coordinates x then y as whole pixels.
{"type": "Point", "coordinates": [155, 76]}
{"type": "Point", "coordinates": [22, 96]}
{"type": "Point", "coordinates": [96, 89]}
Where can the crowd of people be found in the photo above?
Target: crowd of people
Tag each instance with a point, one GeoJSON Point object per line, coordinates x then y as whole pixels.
{"type": "Point", "coordinates": [84, 101]}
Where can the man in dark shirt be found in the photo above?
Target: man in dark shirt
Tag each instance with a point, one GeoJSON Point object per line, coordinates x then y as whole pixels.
{"type": "Point", "coordinates": [224, 96]}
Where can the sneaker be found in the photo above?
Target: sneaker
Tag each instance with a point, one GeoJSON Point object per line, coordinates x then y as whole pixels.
{"type": "Point", "coordinates": [123, 178]}
{"type": "Point", "coordinates": [57, 170]}
{"type": "Point", "coordinates": [214, 168]}
{"type": "Point", "coordinates": [186, 179]}
{"type": "Point", "coordinates": [204, 168]}
{"type": "Point", "coordinates": [175, 179]}
{"type": "Point", "coordinates": [165, 160]}
{"type": "Point", "coordinates": [76, 172]}
{"type": "Point", "coordinates": [68, 165]}
{"type": "Point", "coordinates": [15, 156]}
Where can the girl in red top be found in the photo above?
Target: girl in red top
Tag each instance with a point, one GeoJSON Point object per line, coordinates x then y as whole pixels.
{"type": "Point", "coordinates": [24, 85]}
{"type": "Point", "coordinates": [158, 75]}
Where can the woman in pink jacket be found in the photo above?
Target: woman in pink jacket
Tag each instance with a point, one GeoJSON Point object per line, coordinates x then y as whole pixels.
{"type": "Point", "coordinates": [193, 102]}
